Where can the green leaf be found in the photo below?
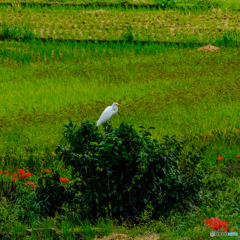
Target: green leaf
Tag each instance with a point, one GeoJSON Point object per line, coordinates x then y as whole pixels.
{"type": "Point", "coordinates": [120, 197]}
{"type": "Point", "coordinates": [121, 177]}
{"type": "Point", "coordinates": [104, 195]}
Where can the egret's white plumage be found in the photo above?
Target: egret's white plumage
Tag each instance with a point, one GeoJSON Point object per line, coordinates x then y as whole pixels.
{"type": "Point", "coordinates": [107, 113]}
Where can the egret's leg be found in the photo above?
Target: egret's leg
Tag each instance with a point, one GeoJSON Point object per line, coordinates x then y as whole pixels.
{"type": "Point", "coordinates": [109, 123]}
{"type": "Point", "coordinates": [105, 126]}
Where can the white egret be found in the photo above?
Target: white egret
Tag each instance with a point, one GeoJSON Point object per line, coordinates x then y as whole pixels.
{"type": "Point", "coordinates": [107, 113]}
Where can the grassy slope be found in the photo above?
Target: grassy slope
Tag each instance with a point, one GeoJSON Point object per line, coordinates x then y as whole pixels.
{"type": "Point", "coordinates": [179, 92]}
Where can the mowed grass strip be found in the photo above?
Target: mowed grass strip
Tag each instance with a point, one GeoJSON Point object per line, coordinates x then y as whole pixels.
{"type": "Point", "coordinates": [180, 92]}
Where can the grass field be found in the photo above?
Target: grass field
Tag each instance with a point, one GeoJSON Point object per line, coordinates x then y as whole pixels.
{"type": "Point", "coordinates": [172, 87]}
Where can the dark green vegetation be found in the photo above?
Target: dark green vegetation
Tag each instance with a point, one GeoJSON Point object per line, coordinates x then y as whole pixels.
{"type": "Point", "coordinates": [171, 87]}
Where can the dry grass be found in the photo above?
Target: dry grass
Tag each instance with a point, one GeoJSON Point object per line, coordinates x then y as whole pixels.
{"type": "Point", "coordinates": [209, 48]}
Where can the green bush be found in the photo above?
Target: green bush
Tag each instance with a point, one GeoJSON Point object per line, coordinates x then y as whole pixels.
{"type": "Point", "coordinates": [51, 195]}
{"type": "Point", "coordinates": [119, 172]}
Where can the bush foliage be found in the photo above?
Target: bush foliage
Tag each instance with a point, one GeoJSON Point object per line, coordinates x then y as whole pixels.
{"type": "Point", "coordinates": [119, 172]}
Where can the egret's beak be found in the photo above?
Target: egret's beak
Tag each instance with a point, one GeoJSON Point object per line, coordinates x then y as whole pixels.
{"type": "Point", "coordinates": [119, 105]}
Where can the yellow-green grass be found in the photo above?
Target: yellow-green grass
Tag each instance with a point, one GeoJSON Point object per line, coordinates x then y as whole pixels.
{"type": "Point", "coordinates": [180, 92]}
{"type": "Point", "coordinates": [220, 3]}
{"type": "Point", "coordinates": [111, 24]}
{"type": "Point", "coordinates": [87, 1]}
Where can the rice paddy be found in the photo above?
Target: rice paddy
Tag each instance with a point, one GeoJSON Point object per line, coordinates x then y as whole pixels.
{"type": "Point", "coordinates": [155, 25]}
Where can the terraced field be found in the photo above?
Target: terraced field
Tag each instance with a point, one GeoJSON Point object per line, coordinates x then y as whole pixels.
{"type": "Point", "coordinates": [163, 26]}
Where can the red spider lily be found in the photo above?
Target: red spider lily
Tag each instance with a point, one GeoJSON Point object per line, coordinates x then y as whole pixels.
{"type": "Point", "coordinates": [15, 175]}
{"type": "Point", "coordinates": [47, 171]}
{"type": "Point", "coordinates": [14, 179]}
{"type": "Point", "coordinates": [6, 171]}
{"type": "Point", "coordinates": [33, 186]}
{"type": "Point", "coordinates": [216, 223]}
{"type": "Point", "coordinates": [238, 156]}
{"type": "Point", "coordinates": [21, 171]}
{"type": "Point", "coordinates": [220, 158]}
{"type": "Point", "coordinates": [26, 175]}
{"type": "Point", "coordinates": [1, 172]}
{"type": "Point", "coordinates": [29, 182]}
{"type": "Point", "coordinates": [64, 179]}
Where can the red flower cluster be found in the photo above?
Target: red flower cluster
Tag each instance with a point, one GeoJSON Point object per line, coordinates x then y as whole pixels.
{"type": "Point", "coordinates": [217, 224]}
{"type": "Point", "coordinates": [16, 175]}
{"type": "Point", "coordinates": [21, 171]}
{"type": "Point", "coordinates": [220, 158]}
{"type": "Point", "coordinates": [26, 175]}
{"type": "Point", "coordinates": [31, 184]}
{"type": "Point", "coordinates": [64, 179]}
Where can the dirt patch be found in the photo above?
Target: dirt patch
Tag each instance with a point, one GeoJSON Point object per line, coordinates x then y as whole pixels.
{"type": "Point", "coordinates": [209, 48]}
{"type": "Point", "coordinates": [150, 236]}
{"type": "Point", "coordinates": [116, 236]}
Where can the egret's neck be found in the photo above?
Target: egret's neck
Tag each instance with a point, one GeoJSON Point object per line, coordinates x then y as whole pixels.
{"type": "Point", "coordinates": [115, 109]}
